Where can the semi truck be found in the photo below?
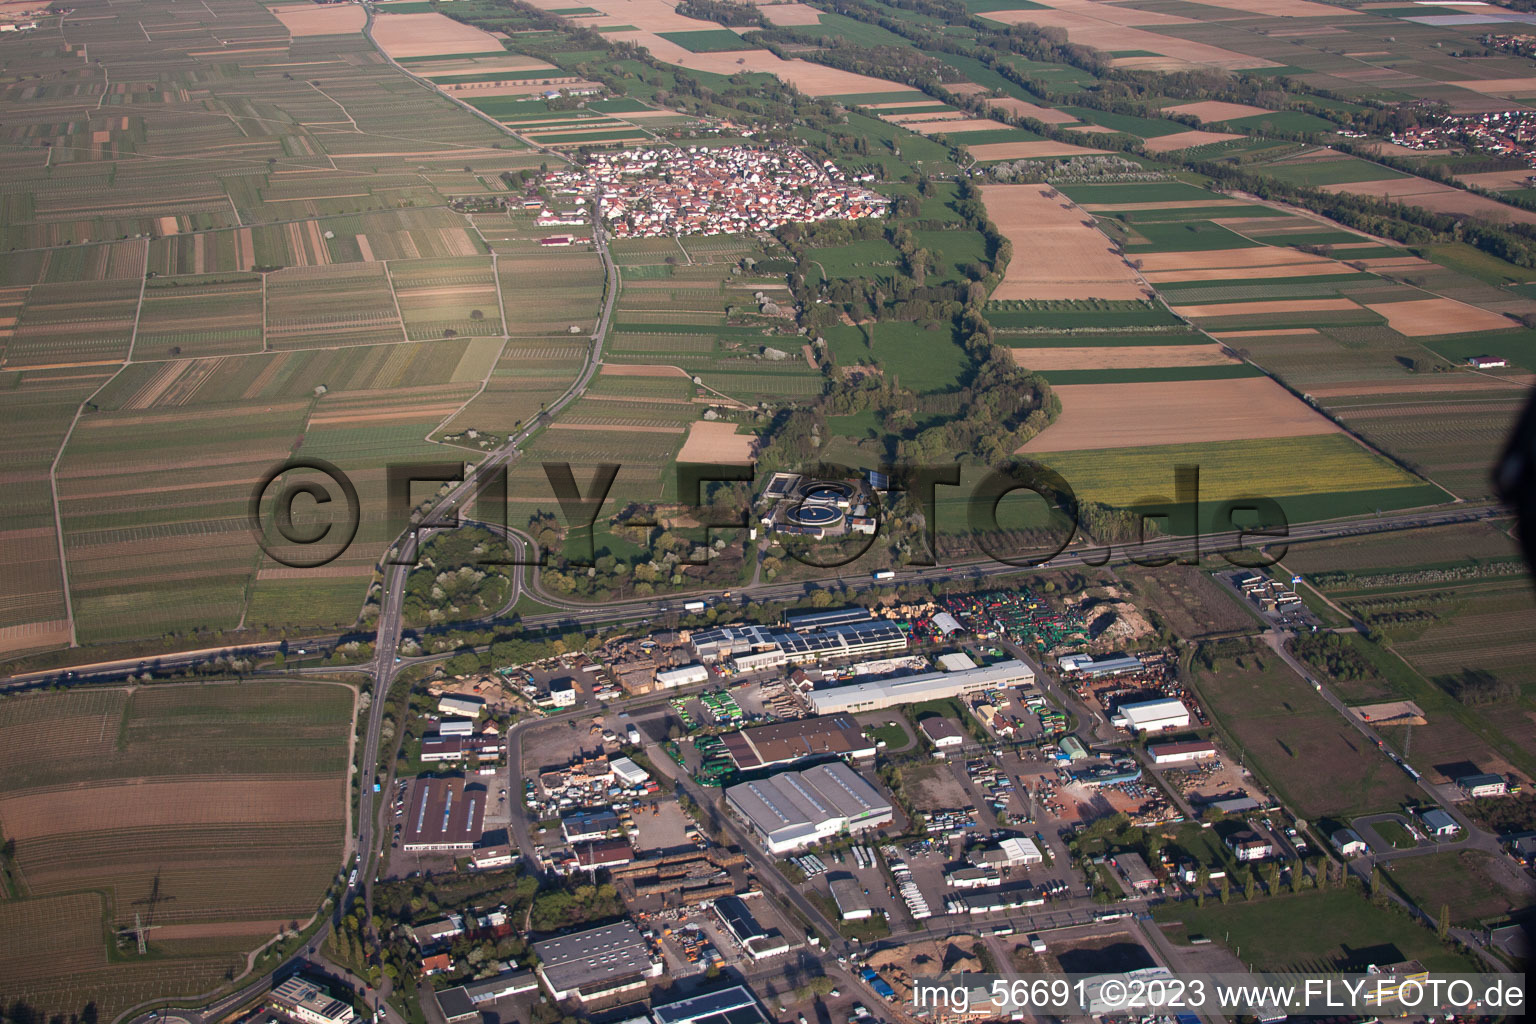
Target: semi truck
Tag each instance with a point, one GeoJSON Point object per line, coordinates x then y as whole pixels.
{"type": "Point", "coordinates": [693, 607]}
{"type": "Point", "coordinates": [883, 574]}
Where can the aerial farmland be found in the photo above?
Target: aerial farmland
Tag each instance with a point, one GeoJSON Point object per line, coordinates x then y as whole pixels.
{"type": "Point", "coordinates": [1203, 261]}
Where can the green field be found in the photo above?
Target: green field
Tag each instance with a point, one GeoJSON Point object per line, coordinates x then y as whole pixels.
{"type": "Point", "coordinates": [1283, 933]}
{"type": "Point", "coordinates": [710, 40]}
{"type": "Point", "coordinates": [1301, 473]}
{"type": "Point", "coordinates": [1281, 120]}
{"type": "Point", "coordinates": [1153, 374]}
{"type": "Point", "coordinates": [1329, 172]}
{"type": "Point", "coordinates": [922, 359]}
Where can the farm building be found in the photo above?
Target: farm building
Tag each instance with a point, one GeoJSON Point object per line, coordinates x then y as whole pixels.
{"type": "Point", "coordinates": [787, 742]}
{"type": "Point", "coordinates": [794, 809]}
{"type": "Point", "coordinates": [849, 896]}
{"type": "Point", "coordinates": [1181, 753]}
{"type": "Point", "coordinates": [887, 693]}
{"type": "Point", "coordinates": [943, 733]}
{"type": "Point", "coordinates": [681, 676]}
{"type": "Point", "coordinates": [1348, 842]}
{"type": "Point", "coordinates": [1134, 867]}
{"type": "Point", "coordinates": [444, 814]}
{"type": "Point", "coordinates": [1487, 362]}
{"type": "Point", "coordinates": [759, 942]}
{"type": "Point", "coordinates": [734, 1005]}
{"type": "Point", "coordinates": [596, 963]}
{"type": "Point", "coordinates": [1476, 786]}
{"type": "Point", "coordinates": [1152, 715]}
{"type": "Point", "coordinates": [310, 1003]}
{"type": "Point", "coordinates": [1439, 823]}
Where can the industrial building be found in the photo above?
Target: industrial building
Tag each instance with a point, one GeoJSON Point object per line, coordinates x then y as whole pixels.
{"type": "Point", "coordinates": [751, 646]}
{"type": "Point", "coordinates": [809, 622]}
{"type": "Point", "coordinates": [1021, 850]}
{"type": "Point", "coordinates": [973, 878]}
{"type": "Point", "coordinates": [487, 990]}
{"type": "Point", "coordinates": [887, 693]}
{"type": "Point", "coordinates": [794, 809]}
{"type": "Point", "coordinates": [849, 896]}
{"type": "Point", "coordinates": [308, 1002]}
{"type": "Point", "coordinates": [758, 942]}
{"type": "Point", "coordinates": [1181, 753]}
{"type": "Point", "coordinates": [596, 963]}
{"type": "Point", "coordinates": [562, 693]}
{"type": "Point", "coordinates": [1439, 824]}
{"type": "Point", "coordinates": [585, 826]}
{"type": "Point", "coordinates": [1476, 786]}
{"type": "Point", "coordinates": [458, 704]}
{"type": "Point", "coordinates": [788, 742]}
{"type": "Point", "coordinates": [444, 814]}
{"type": "Point", "coordinates": [682, 675]}
{"type": "Point", "coordinates": [1134, 867]}
{"type": "Point", "coordinates": [605, 853]}
{"type": "Point", "coordinates": [943, 733]}
{"type": "Point", "coordinates": [456, 1006]}
{"type": "Point", "coordinates": [1072, 749]}
{"type": "Point", "coordinates": [443, 747]}
{"type": "Point", "coordinates": [734, 1005]}
{"type": "Point", "coordinates": [1152, 715]}
{"type": "Point", "coordinates": [491, 857]}
{"type": "Point", "coordinates": [625, 770]}
{"type": "Point", "coordinates": [1098, 666]}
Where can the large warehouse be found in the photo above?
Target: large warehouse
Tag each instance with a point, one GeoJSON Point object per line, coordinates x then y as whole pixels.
{"type": "Point", "coordinates": [445, 814]}
{"type": "Point", "coordinates": [735, 1005]}
{"type": "Point", "coordinates": [596, 963]}
{"type": "Point", "coordinates": [754, 643]}
{"type": "Point", "coordinates": [886, 693]}
{"type": "Point", "coordinates": [794, 809]}
{"type": "Point", "coordinates": [787, 742]}
{"type": "Point", "coordinates": [1152, 715]}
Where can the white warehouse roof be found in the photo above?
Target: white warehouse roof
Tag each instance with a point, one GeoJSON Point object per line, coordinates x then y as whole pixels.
{"type": "Point", "coordinates": [794, 809]}
{"type": "Point", "coordinates": [886, 693]}
{"type": "Point", "coordinates": [1154, 714]}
